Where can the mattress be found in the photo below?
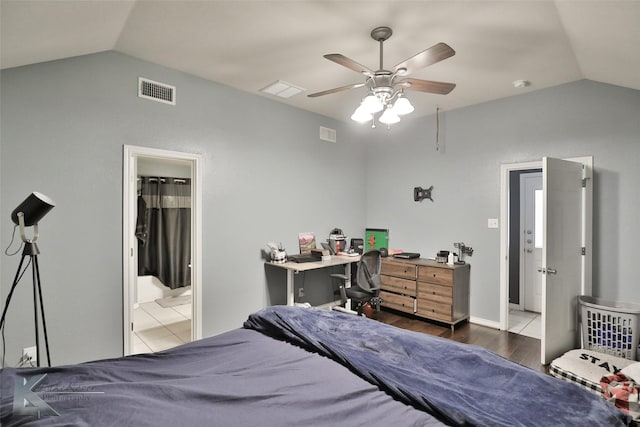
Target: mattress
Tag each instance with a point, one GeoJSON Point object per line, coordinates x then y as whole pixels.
{"type": "Point", "coordinates": [586, 368]}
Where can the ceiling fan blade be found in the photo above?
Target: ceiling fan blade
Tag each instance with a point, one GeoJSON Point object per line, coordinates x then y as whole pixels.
{"type": "Point", "coordinates": [349, 63]}
{"type": "Point", "coordinates": [334, 90]}
{"type": "Point", "coordinates": [435, 53]}
{"type": "Point", "coordinates": [441, 88]}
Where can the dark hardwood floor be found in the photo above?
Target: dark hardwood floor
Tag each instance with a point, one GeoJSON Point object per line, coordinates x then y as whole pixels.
{"type": "Point", "coordinates": [517, 348]}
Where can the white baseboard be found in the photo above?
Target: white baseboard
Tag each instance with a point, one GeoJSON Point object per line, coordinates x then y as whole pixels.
{"type": "Point", "coordinates": [484, 322]}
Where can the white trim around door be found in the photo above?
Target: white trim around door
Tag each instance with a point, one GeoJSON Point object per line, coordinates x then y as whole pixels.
{"type": "Point", "coordinates": [587, 212]}
{"type": "Point", "coordinates": [129, 244]}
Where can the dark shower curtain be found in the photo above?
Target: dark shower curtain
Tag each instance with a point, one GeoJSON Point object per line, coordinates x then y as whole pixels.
{"type": "Point", "coordinates": [163, 230]}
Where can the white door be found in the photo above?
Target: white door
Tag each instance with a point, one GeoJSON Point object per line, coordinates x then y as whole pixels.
{"type": "Point", "coordinates": [531, 241]}
{"type": "Point", "coordinates": [561, 256]}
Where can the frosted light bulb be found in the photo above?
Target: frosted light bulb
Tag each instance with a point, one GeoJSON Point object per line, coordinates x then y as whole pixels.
{"type": "Point", "coordinates": [372, 104]}
{"type": "Point", "coordinates": [402, 106]}
{"type": "Point", "coordinates": [361, 115]}
{"type": "Point", "coordinates": [389, 117]}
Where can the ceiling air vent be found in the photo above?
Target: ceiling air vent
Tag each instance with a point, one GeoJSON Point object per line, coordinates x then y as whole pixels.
{"type": "Point", "coordinates": [156, 91]}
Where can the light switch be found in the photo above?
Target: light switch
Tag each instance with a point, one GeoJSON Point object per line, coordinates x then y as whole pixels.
{"type": "Point", "coordinates": [492, 223]}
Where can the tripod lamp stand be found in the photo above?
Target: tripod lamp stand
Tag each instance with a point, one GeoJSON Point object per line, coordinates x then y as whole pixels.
{"type": "Point", "coordinates": [27, 214]}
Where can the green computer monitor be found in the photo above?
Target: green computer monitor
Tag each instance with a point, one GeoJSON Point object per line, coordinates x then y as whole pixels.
{"type": "Point", "coordinates": [376, 238]}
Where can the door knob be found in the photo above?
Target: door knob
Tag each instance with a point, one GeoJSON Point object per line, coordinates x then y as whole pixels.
{"type": "Point", "coordinates": [529, 251]}
{"type": "Point", "coordinates": [547, 270]}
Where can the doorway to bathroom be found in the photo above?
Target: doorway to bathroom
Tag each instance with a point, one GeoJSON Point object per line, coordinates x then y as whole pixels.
{"type": "Point", "coordinates": [161, 249]}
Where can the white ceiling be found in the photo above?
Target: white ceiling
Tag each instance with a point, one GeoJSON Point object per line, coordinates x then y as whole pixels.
{"type": "Point", "coordinates": [249, 44]}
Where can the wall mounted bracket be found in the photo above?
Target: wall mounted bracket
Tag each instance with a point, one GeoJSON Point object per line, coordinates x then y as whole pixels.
{"type": "Point", "coordinates": [419, 193]}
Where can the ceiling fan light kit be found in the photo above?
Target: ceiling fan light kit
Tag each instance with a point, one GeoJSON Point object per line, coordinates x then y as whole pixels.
{"type": "Point", "coordinates": [385, 95]}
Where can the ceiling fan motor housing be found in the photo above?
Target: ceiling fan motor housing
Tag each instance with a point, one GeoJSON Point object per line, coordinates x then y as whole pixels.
{"type": "Point", "coordinates": [381, 34]}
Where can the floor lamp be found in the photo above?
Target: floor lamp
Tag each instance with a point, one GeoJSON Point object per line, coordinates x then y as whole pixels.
{"type": "Point", "coordinates": [27, 214]}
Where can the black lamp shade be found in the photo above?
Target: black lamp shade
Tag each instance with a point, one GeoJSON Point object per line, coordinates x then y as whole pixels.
{"type": "Point", "coordinates": [34, 208]}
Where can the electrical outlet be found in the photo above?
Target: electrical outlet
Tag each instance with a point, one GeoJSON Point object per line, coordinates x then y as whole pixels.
{"type": "Point", "coordinates": [30, 353]}
{"type": "Point", "coordinates": [300, 292]}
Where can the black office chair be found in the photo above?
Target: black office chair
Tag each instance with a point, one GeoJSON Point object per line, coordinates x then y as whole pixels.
{"type": "Point", "coordinates": [366, 286]}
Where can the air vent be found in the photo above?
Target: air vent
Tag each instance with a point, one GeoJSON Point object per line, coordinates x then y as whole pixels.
{"type": "Point", "coordinates": [282, 89]}
{"type": "Point", "coordinates": [156, 91]}
{"type": "Point", "coordinates": [327, 134]}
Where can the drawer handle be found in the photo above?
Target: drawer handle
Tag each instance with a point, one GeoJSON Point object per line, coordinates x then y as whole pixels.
{"type": "Point", "coordinates": [434, 292]}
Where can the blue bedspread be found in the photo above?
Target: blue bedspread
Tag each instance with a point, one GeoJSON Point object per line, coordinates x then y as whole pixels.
{"type": "Point", "coordinates": [459, 383]}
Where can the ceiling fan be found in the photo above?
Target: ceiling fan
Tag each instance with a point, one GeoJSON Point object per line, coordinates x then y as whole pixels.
{"type": "Point", "coordinates": [386, 87]}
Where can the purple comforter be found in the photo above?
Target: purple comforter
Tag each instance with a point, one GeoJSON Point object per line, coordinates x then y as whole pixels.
{"type": "Point", "coordinates": [460, 384]}
{"type": "Point", "coordinates": [240, 378]}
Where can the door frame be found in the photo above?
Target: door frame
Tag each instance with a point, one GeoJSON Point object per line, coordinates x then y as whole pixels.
{"type": "Point", "coordinates": [587, 224]}
{"type": "Point", "coordinates": [129, 243]}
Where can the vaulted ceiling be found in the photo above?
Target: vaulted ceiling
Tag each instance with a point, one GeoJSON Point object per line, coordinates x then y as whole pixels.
{"type": "Point", "coordinates": [250, 44]}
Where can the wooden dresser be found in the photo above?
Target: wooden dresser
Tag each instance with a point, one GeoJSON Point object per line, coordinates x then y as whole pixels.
{"type": "Point", "coordinates": [426, 289]}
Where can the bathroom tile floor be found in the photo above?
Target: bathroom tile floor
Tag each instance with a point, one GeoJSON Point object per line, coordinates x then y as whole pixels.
{"type": "Point", "coordinates": [526, 323]}
{"type": "Point", "coordinates": [157, 328]}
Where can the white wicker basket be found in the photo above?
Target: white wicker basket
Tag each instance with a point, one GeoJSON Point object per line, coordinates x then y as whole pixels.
{"type": "Point", "coordinates": [610, 327]}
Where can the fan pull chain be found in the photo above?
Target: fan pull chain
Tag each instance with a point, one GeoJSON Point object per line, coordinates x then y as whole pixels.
{"type": "Point", "coordinates": [437, 128]}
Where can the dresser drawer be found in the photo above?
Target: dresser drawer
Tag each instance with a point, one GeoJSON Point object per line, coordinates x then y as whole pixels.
{"type": "Point", "coordinates": [396, 284]}
{"type": "Point", "coordinates": [436, 293]}
{"type": "Point", "coordinates": [442, 276]}
{"type": "Point", "coordinates": [434, 310]}
{"type": "Point", "coordinates": [399, 269]}
{"type": "Point", "coordinates": [398, 302]}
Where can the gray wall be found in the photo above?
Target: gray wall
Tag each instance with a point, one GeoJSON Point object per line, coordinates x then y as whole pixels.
{"type": "Point", "coordinates": [65, 122]}
{"type": "Point", "coordinates": [578, 119]}
{"type": "Point", "coordinates": [63, 127]}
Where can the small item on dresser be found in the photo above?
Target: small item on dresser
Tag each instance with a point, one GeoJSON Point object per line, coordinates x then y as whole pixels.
{"type": "Point", "coordinates": [407, 255]}
{"type": "Point", "coordinates": [442, 257]}
{"type": "Point", "coordinates": [462, 250]}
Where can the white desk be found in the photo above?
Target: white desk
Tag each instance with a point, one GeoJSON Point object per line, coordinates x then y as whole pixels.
{"type": "Point", "coordinates": [295, 267]}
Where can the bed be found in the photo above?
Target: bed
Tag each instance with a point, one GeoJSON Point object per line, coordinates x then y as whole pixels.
{"type": "Point", "coordinates": [301, 366]}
